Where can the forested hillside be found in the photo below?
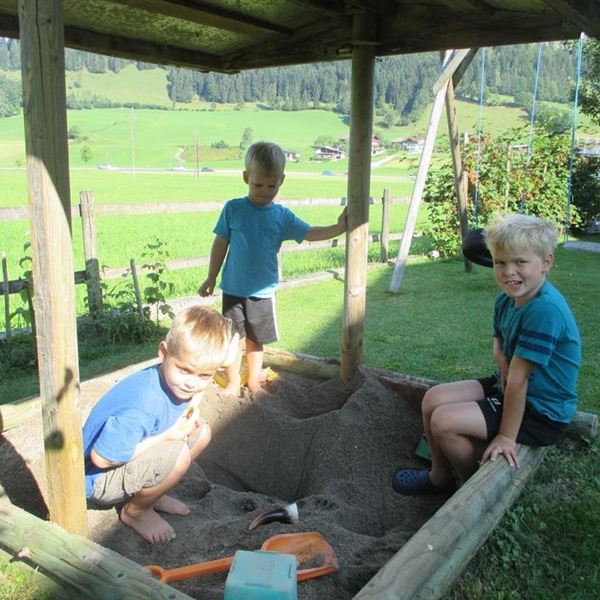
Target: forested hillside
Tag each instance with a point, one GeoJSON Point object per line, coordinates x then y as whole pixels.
{"type": "Point", "coordinates": [403, 83]}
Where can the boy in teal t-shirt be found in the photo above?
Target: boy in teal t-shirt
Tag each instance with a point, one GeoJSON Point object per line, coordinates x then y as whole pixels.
{"type": "Point", "coordinates": [532, 397]}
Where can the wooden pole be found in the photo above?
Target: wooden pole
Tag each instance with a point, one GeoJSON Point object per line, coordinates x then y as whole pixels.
{"type": "Point", "coordinates": [41, 29]}
{"type": "Point", "coordinates": [428, 563]}
{"type": "Point", "coordinates": [90, 251]}
{"type": "Point", "coordinates": [6, 298]}
{"type": "Point", "coordinates": [136, 288]}
{"type": "Point", "coordinates": [359, 173]}
{"type": "Point", "coordinates": [385, 227]}
{"type": "Point", "coordinates": [460, 176]}
{"type": "Point", "coordinates": [415, 200]}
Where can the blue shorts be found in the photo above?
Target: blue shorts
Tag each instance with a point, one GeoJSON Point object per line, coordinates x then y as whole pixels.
{"type": "Point", "coordinates": [536, 429]}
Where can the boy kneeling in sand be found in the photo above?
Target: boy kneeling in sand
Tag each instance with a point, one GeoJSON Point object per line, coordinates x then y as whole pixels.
{"type": "Point", "coordinates": [140, 438]}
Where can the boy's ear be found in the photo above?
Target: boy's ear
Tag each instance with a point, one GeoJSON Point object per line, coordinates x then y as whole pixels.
{"type": "Point", "coordinates": [162, 350]}
{"type": "Point", "coordinates": [246, 176]}
{"type": "Point", "coordinates": [232, 350]}
{"type": "Point", "coordinates": [548, 262]}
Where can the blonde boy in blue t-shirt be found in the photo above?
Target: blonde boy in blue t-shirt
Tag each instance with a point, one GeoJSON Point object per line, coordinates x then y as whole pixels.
{"type": "Point", "coordinates": [249, 234]}
{"type": "Point", "coordinates": [532, 397]}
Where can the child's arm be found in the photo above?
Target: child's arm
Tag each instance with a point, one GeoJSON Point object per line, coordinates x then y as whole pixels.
{"type": "Point", "coordinates": [513, 408]}
{"type": "Point", "coordinates": [217, 256]}
{"type": "Point", "coordinates": [316, 234]}
{"type": "Point", "coordinates": [500, 361]}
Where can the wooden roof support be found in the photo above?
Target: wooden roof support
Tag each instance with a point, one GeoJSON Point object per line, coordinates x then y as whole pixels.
{"type": "Point", "coordinates": [43, 74]}
{"type": "Point", "coordinates": [359, 173]}
{"type": "Point", "coordinates": [584, 15]}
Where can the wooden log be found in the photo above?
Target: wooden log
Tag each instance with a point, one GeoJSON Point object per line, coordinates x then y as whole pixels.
{"type": "Point", "coordinates": [6, 298]}
{"type": "Point", "coordinates": [460, 176]}
{"type": "Point", "coordinates": [303, 364]}
{"type": "Point", "coordinates": [385, 227]}
{"type": "Point", "coordinates": [430, 561]}
{"type": "Point", "coordinates": [359, 170]}
{"type": "Point", "coordinates": [90, 251]}
{"type": "Point", "coordinates": [415, 201]}
{"type": "Point", "coordinates": [74, 562]}
{"type": "Point", "coordinates": [41, 28]}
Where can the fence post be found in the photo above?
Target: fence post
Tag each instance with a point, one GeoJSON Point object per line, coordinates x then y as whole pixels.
{"type": "Point", "coordinates": [136, 288]}
{"type": "Point", "coordinates": [385, 226]}
{"type": "Point", "coordinates": [90, 251]}
{"type": "Point", "coordinates": [6, 298]}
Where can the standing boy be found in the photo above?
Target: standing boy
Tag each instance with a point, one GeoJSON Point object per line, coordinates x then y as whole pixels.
{"type": "Point", "coordinates": [142, 436]}
{"type": "Point", "coordinates": [249, 233]}
{"type": "Point", "coordinates": [532, 397]}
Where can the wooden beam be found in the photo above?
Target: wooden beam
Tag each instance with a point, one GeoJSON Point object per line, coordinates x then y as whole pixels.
{"type": "Point", "coordinates": [208, 14]}
{"type": "Point", "coordinates": [583, 15]}
{"type": "Point", "coordinates": [359, 175]}
{"type": "Point", "coordinates": [44, 102]}
{"type": "Point", "coordinates": [433, 558]}
{"type": "Point", "coordinates": [464, 65]}
{"type": "Point", "coordinates": [450, 67]}
{"type": "Point", "coordinates": [419, 186]}
{"type": "Point", "coordinates": [460, 176]}
{"type": "Point", "coordinates": [75, 563]}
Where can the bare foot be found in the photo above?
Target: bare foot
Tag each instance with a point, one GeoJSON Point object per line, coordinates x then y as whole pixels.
{"type": "Point", "coordinates": [172, 506]}
{"type": "Point", "coordinates": [149, 524]}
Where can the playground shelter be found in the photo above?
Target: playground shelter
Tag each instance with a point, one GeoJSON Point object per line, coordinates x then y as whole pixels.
{"type": "Point", "coordinates": [223, 36]}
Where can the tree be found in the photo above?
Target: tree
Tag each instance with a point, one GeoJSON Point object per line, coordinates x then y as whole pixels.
{"type": "Point", "coordinates": [590, 84]}
{"type": "Point", "coordinates": [86, 154]}
{"type": "Point", "coordinates": [246, 138]}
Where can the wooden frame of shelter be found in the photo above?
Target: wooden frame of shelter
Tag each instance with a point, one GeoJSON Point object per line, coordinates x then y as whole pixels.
{"type": "Point", "coordinates": [220, 37]}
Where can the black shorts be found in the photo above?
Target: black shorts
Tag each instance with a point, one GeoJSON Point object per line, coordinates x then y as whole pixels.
{"type": "Point", "coordinates": [252, 317]}
{"type": "Point", "coordinates": [536, 429]}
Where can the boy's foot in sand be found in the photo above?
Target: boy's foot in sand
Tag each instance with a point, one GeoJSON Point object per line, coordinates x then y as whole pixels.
{"type": "Point", "coordinates": [149, 524]}
{"type": "Point", "coordinates": [231, 390]}
{"type": "Point", "coordinates": [172, 506]}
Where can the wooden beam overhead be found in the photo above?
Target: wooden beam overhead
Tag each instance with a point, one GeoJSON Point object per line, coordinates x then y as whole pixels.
{"type": "Point", "coordinates": [583, 15]}
{"type": "Point", "coordinates": [208, 14]}
{"type": "Point", "coordinates": [475, 6]}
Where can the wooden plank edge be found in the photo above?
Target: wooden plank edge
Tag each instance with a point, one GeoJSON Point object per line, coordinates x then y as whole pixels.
{"type": "Point", "coordinates": [74, 562]}
{"type": "Point", "coordinates": [434, 556]}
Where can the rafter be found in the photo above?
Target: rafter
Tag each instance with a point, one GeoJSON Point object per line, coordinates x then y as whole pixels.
{"type": "Point", "coordinates": [584, 15]}
{"type": "Point", "coordinates": [204, 14]}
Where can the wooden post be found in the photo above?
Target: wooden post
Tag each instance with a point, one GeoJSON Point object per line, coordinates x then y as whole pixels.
{"type": "Point", "coordinates": [136, 288]}
{"type": "Point", "coordinates": [385, 227]}
{"type": "Point", "coordinates": [359, 173]}
{"type": "Point", "coordinates": [415, 200]}
{"type": "Point", "coordinates": [90, 251]}
{"type": "Point", "coordinates": [41, 30]}
{"type": "Point", "coordinates": [460, 177]}
{"type": "Point", "coordinates": [6, 298]}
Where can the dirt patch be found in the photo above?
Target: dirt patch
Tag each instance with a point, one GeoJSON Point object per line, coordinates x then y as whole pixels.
{"type": "Point", "coordinates": [330, 446]}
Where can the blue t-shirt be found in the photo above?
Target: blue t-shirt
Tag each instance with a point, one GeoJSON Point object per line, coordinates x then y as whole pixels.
{"type": "Point", "coordinates": [255, 234]}
{"type": "Point", "coordinates": [137, 407]}
{"type": "Point", "coordinates": [544, 332]}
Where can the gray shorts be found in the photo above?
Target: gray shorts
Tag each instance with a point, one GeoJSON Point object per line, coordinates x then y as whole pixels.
{"type": "Point", "coordinates": [148, 470]}
{"type": "Point", "coordinates": [252, 317]}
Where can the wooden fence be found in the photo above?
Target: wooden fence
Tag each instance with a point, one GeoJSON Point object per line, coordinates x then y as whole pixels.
{"type": "Point", "coordinates": [87, 210]}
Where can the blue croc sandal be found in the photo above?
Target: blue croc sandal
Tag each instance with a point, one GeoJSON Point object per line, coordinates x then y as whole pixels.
{"type": "Point", "coordinates": [414, 482]}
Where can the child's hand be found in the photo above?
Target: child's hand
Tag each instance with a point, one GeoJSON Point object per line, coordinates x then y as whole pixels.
{"type": "Point", "coordinates": [501, 445]}
{"type": "Point", "coordinates": [207, 287]}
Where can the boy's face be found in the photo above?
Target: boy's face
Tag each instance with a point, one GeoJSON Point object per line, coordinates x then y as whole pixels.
{"type": "Point", "coordinates": [520, 273]}
{"type": "Point", "coordinates": [182, 374]}
{"type": "Point", "coordinates": [263, 187]}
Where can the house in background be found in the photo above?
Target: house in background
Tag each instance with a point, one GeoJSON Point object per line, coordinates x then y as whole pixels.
{"type": "Point", "coordinates": [329, 153]}
{"type": "Point", "coordinates": [376, 145]}
{"type": "Point", "coordinates": [412, 144]}
{"type": "Point", "coordinates": [292, 155]}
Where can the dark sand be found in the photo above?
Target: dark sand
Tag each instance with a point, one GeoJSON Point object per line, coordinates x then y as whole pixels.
{"type": "Point", "coordinates": [329, 446]}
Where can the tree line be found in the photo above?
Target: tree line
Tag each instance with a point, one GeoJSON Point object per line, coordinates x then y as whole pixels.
{"type": "Point", "coordinates": [402, 87]}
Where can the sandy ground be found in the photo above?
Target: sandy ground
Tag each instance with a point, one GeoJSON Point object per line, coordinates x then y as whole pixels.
{"type": "Point", "coordinates": [329, 446]}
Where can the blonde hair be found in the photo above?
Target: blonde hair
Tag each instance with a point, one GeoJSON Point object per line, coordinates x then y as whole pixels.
{"type": "Point", "coordinates": [515, 231]}
{"type": "Point", "coordinates": [265, 157]}
{"type": "Point", "coordinates": [202, 331]}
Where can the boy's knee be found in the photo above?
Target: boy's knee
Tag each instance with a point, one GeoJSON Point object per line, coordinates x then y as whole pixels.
{"type": "Point", "coordinates": [441, 422]}
{"type": "Point", "coordinates": [430, 401]}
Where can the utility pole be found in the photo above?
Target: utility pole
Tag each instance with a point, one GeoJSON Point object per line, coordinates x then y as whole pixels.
{"type": "Point", "coordinates": [132, 121]}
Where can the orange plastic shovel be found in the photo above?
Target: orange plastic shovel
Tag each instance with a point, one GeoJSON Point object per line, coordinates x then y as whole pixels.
{"type": "Point", "coordinates": [308, 547]}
